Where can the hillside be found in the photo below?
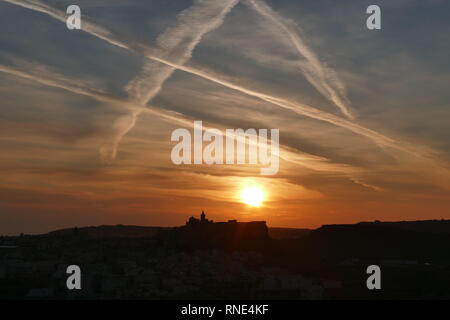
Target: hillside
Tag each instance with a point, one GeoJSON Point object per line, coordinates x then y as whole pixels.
{"type": "Point", "coordinates": [120, 231]}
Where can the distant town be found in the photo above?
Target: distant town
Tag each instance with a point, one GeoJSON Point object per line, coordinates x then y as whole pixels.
{"type": "Point", "coordinates": [229, 260]}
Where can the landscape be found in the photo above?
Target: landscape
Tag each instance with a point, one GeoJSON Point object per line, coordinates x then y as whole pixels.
{"type": "Point", "coordinates": [196, 150]}
{"type": "Point", "coordinates": [230, 260]}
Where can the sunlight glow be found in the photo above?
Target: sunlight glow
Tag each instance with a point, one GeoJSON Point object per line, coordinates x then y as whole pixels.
{"type": "Point", "coordinates": [253, 196]}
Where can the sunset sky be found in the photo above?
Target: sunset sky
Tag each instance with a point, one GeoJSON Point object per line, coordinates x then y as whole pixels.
{"type": "Point", "coordinates": [86, 116]}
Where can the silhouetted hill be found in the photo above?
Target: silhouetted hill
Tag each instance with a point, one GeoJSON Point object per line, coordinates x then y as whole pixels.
{"type": "Point", "coordinates": [434, 226]}
{"type": "Point", "coordinates": [119, 231]}
{"type": "Point", "coordinates": [125, 231]}
{"type": "Point", "coordinates": [288, 233]}
{"type": "Point", "coordinates": [375, 241]}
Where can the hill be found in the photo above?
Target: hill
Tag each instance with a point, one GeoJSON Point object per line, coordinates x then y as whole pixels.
{"type": "Point", "coordinates": [288, 233]}
{"type": "Point", "coordinates": [119, 231]}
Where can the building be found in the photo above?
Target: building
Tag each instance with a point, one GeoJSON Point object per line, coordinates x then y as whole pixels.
{"type": "Point", "coordinates": [205, 233]}
{"type": "Point", "coordinates": [194, 221]}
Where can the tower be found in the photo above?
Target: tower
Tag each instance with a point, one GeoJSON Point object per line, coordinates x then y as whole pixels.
{"type": "Point", "coordinates": [203, 216]}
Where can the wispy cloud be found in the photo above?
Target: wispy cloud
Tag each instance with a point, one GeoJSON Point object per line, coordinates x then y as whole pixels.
{"type": "Point", "coordinates": [149, 52]}
{"type": "Point", "coordinates": [323, 78]}
{"type": "Point", "coordinates": [40, 74]}
{"type": "Point", "coordinates": [88, 26]}
{"type": "Point", "coordinates": [176, 43]}
{"type": "Point", "coordinates": [154, 54]}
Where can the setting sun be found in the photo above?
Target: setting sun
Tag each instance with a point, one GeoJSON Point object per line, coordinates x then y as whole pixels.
{"type": "Point", "coordinates": [253, 196]}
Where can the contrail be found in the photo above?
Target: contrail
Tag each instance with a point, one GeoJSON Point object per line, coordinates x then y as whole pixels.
{"type": "Point", "coordinates": [43, 76]}
{"type": "Point", "coordinates": [148, 52]}
{"type": "Point", "coordinates": [322, 78]}
{"type": "Point", "coordinates": [46, 77]}
{"type": "Point", "coordinates": [298, 108]}
{"type": "Point", "coordinates": [305, 110]}
{"type": "Point", "coordinates": [60, 15]}
{"type": "Point", "coordinates": [176, 43]}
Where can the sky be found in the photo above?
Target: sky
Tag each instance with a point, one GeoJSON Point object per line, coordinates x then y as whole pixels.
{"type": "Point", "coordinates": [86, 116]}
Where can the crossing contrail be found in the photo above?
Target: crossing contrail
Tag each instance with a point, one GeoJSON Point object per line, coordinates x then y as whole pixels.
{"type": "Point", "coordinates": [42, 75]}
{"type": "Point", "coordinates": [176, 43]}
{"type": "Point", "coordinates": [150, 53]}
{"type": "Point", "coordinates": [324, 79]}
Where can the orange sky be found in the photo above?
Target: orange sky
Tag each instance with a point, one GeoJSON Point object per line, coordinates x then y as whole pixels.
{"type": "Point", "coordinates": [86, 116]}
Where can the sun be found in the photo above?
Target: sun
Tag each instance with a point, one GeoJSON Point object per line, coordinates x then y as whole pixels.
{"type": "Point", "coordinates": [253, 196]}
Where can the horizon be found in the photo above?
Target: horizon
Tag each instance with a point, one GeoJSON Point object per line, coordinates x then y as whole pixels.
{"type": "Point", "coordinates": [175, 226]}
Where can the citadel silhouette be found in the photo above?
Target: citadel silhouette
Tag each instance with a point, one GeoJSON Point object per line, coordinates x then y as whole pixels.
{"type": "Point", "coordinates": [205, 233]}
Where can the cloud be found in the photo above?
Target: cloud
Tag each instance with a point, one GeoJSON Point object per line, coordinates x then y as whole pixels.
{"type": "Point", "coordinates": [149, 52]}
{"type": "Point", "coordinates": [88, 26]}
{"type": "Point", "coordinates": [154, 54]}
{"type": "Point", "coordinates": [176, 43]}
{"type": "Point", "coordinates": [43, 75]}
{"type": "Point", "coordinates": [323, 78]}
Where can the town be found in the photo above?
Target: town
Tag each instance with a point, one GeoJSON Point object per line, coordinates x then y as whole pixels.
{"type": "Point", "coordinates": [236, 260]}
